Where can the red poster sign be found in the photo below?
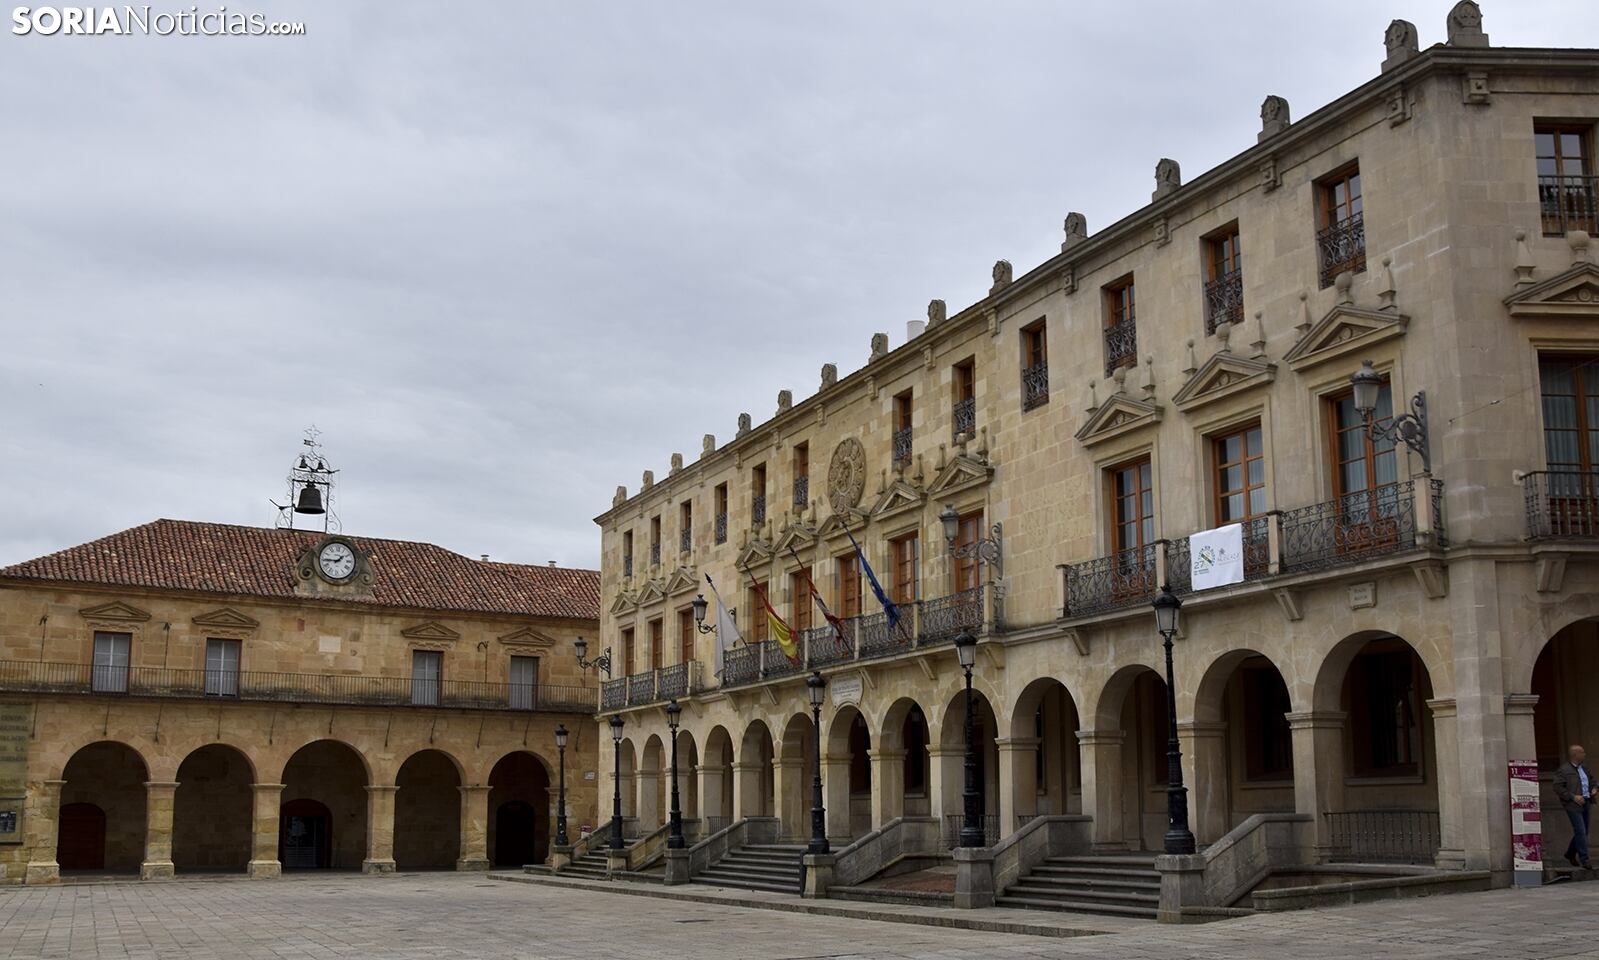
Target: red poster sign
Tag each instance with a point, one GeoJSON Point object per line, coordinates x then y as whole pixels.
{"type": "Point", "coordinates": [1526, 824]}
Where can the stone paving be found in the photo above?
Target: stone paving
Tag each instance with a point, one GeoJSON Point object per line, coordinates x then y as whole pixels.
{"type": "Point", "coordinates": [453, 916]}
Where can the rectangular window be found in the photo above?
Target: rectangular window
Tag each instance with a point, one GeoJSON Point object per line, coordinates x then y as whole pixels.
{"type": "Point", "coordinates": [1568, 191]}
{"type": "Point", "coordinates": [758, 495]}
{"type": "Point", "coordinates": [427, 676]}
{"type": "Point", "coordinates": [759, 627]}
{"type": "Point", "coordinates": [802, 475]}
{"type": "Point", "coordinates": [655, 539]}
{"type": "Point", "coordinates": [1132, 506]}
{"type": "Point", "coordinates": [1570, 389]}
{"type": "Point", "coordinates": [1224, 279]}
{"type": "Point", "coordinates": [903, 554]}
{"type": "Point", "coordinates": [685, 521]}
{"type": "Point", "coordinates": [627, 553]}
{"type": "Point", "coordinates": [721, 513]}
{"type": "Point", "coordinates": [1341, 238]}
{"type": "Point", "coordinates": [524, 683]}
{"type": "Point", "coordinates": [1121, 325]}
{"type": "Point", "coordinates": [657, 643]}
{"type": "Point", "coordinates": [629, 650]}
{"type": "Point", "coordinates": [967, 531]}
{"type": "Point", "coordinates": [963, 413]}
{"type": "Point", "coordinates": [849, 586]}
{"type": "Point", "coordinates": [800, 594]}
{"type": "Point", "coordinates": [1365, 475]}
{"type": "Point", "coordinates": [686, 631]}
{"type": "Point", "coordinates": [1240, 479]}
{"type": "Point", "coordinates": [1035, 366]}
{"type": "Point", "coordinates": [110, 662]}
{"type": "Point", "coordinates": [222, 668]}
{"type": "Point", "coordinates": [902, 428]}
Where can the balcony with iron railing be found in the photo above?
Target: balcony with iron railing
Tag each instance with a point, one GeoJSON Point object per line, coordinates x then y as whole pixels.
{"type": "Point", "coordinates": [1569, 203]}
{"type": "Point", "coordinates": [963, 418]}
{"type": "Point", "coordinates": [675, 682]}
{"type": "Point", "coordinates": [627, 565]}
{"type": "Point", "coordinates": [1121, 345]}
{"type": "Point", "coordinates": [1341, 247]}
{"type": "Point", "coordinates": [1035, 385]}
{"type": "Point", "coordinates": [655, 554]}
{"type": "Point", "coordinates": [1392, 519]}
{"type": "Point", "coordinates": [685, 540]}
{"type": "Point", "coordinates": [802, 491]}
{"type": "Point", "coordinates": [721, 527]}
{"type": "Point", "coordinates": [758, 509]}
{"type": "Point", "coordinates": [902, 446]}
{"type": "Point", "coordinates": [47, 677]}
{"type": "Point", "coordinates": [1561, 504]}
{"type": "Point", "coordinates": [1224, 300]}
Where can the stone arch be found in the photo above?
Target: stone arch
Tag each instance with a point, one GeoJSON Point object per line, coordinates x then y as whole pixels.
{"type": "Point", "coordinates": [651, 804]}
{"type": "Point", "coordinates": [904, 768]}
{"type": "Point", "coordinates": [1046, 765]}
{"type": "Point", "coordinates": [952, 748]}
{"type": "Point", "coordinates": [626, 773]}
{"type": "Point", "coordinates": [213, 810]}
{"type": "Point", "coordinates": [688, 761]}
{"type": "Point", "coordinates": [847, 774]}
{"type": "Point", "coordinates": [101, 823]}
{"type": "Point", "coordinates": [792, 776]}
{"type": "Point", "coordinates": [1238, 743]}
{"type": "Point", "coordinates": [1561, 677]}
{"type": "Point", "coordinates": [427, 811]}
{"type": "Point", "coordinates": [323, 819]}
{"type": "Point", "coordinates": [755, 776]}
{"type": "Point", "coordinates": [1126, 760]}
{"type": "Point", "coordinates": [716, 781]}
{"type": "Point", "coordinates": [519, 804]}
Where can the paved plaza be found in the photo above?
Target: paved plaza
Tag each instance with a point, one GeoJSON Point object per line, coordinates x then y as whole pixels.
{"type": "Point", "coordinates": [445, 916]}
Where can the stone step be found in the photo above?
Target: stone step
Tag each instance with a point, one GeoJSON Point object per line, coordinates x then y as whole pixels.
{"type": "Point", "coordinates": [1040, 891]}
{"type": "Point", "coordinates": [775, 870]}
{"type": "Point", "coordinates": [715, 878]}
{"type": "Point", "coordinates": [1094, 879]}
{"type": "Point", "coordinates": [1126, 862]}
{"type": "Point", "coordinates": [1070, 906]}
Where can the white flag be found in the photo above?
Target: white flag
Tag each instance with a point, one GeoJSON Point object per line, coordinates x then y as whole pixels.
{"type": "Point", "coordinates": [1216, 557]}
{"type": "Point", "coordinates": [726, 630]}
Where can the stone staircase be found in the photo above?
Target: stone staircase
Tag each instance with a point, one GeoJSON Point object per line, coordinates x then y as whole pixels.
{"type": "Point", "coordinates": [1125, 885]}
{"type": "Point", "coordinates": [773, 867]}
{"type": "Point", "coordinates": [590, 866]}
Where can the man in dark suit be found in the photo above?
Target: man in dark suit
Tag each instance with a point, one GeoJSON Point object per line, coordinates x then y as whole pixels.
{"type": "Point", "coordinates": [1577, 790]}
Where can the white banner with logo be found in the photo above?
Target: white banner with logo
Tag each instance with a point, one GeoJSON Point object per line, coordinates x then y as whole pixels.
{"type": "Point", "coordinates": [1216, 557]}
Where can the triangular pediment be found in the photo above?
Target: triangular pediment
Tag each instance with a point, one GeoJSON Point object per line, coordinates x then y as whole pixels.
{"type": "Point", "coordinates": [1117, 416]}
{"type": "Point", "coordinates": [624, 602]}
{"type": "Point", "coordinates": [837, 524]}
{"type": "Point", "coordinates": [228, 618]}
{"type": "Point", "coordinates": [115, 610]}
{"type": "Point", "coordinates": [901, 495]}
{"type": "Point", "coordinates": [795, 537]}
{"type": "Point", "coordinates": [431, 630]}
{"type": "Point", "coordinates": [682, 580]}
{"type": "Point", "coordinates": [527, 637]}
{"type": "Point", "coordinates": [757, 552]}
{"type": "Point", "coordinates": [1571, 295]}
{"type": "Point", "coordinates": [961, 473]}
{"type": "Point", "coordinates": [1223, 375]}
{"type": "Point", "coordinates": [654, 592]}
{"type": "Point", "coordinates": [1344, 330]}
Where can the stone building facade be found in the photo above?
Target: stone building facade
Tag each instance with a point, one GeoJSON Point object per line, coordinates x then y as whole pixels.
{"type": "Point", "coordinates": [193, 697]}
{"type": "Point", "coordinates": [1406, 626]}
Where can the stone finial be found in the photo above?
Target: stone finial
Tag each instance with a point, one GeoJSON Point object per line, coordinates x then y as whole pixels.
{"type": "Point", "coordinates": [937, 313]}
{"type": "Point", "coordinates": [1193, 364]}
{"type": "Point", "coordinates": [1465, 25]}
{"type": "Point", "coordinates": [649, 480]}
{"type": "Point", "coordinates": [1344, 283]}
{"type": "Point", "coordinates": [620, 496]}
{"type": "Point", "coordinates": [1273, 117]}
{"type": "Point", "coordinates": [1524, 264]}
{"type": "Point", "coordinates": [785, 400]}
{"type": "Point", "coordinates": [1168, 177]}
{"type": "Point", "coordinates": [879, 346]}
{"type": "Point", "coordinates": [1400, 40]}
{"type": "Point", "coordinates": [708, 445]}
{"type": "Point", "coordinates": [1224, 334]}
{"type": "Point", "coordinates": [1076, 230]}
{"type": "Point", "coordinates": [743, 424]}
{"type": "Point", "coordinates": [1093, 395]}
{"type": "Point", "coordinates": [829, 375]}
{"type": "Point", "coordinates": [1257, 346]}
{"type": "Point", "coordinates": [1149, 377]}
{"type": "Point", "coordinates": [1002, 276]}
{"type": "Point", "coordinates": [1388, 294]}
{"type": "Point", "coordinates": [1305, 322]}
{"type": "Point", "coordinates": [1119, 377]}
{"type": "Point", "coordinates": [677, 463]}
{"type": "Point", "coordinates": [1578, 241]}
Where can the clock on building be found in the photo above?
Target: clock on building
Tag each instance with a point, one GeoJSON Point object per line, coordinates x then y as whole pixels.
{"type": "Point", "coordinates": [336, 561]}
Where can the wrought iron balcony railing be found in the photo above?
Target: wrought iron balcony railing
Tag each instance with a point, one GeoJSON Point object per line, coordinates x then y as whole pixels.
{"type": "Point", "coordinates": [678, 681]}
{"type": "Point", "coordinates": [641, 687]}
{"type": "Point", "coordinates": [741, 665]}
{"type": "Point", "coordinates": [902, 445]}
{"type": "Point", "coordinates": [721, 528]}
{"type": "Point", "coordinates": [758, 509]}
{"type": "Point", "coordinates": [1122, 579]}
{"type": "Point", "coordinates": [1224, 300]}
{"type": "Point", "coordinates": [943, 618]}
{"type": "Point", "coordinates": [1561, 504]}
{"type": "Point", "coordinates": [627, 565]}
{"type": "Point", "coordinates": [655, 554]}
{"type": "Point", "coordinates": [1035, 385]}
{"type": "Point", "coordinates": [775, 663]}
{"type": "Point", "coordinates": [1342, 247]}
{"type": "Point", "coordinates": [802, 492]}
{"type": "Point", "coordinates": [1569, 203]}
{"type": "Point", "coordinates": [1121, 345]}
{"type": "Point", "coordinates": [685, 541]}
{"type": "Point", "coordinates": [873, 636]}
{"type": "Point", "coordinates": [1257, 555]}
{"type": "Point", "coordinates": [963, 418]}
{"type": "Point", "coordinates": [825, 646]}
{"type": "Point", "coordinates": [47, 677]}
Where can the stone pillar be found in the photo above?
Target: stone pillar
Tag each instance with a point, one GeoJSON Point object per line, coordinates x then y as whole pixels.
{"type": "Point", "coordinates": [676, 867]}
{"type": "Point", "coordinates": [474, 828]}
{"type": "Point", "coordinates": [1318, 739]}
{"type": "Point", "coordinates": [626, 784]}
{"type": "Point", "coordinates": [159, 799]}
{"type": "Point", "coordinates": [44, 820]}
{"type": "Point", "coordinates": [818, 875]}
{"type": "Point", "coordinates": [974, 877]}
{"type": "Point", "coordinates": [710, 796]}
{"type": "Point", "coordinates": [264, 828]}
{"type": "Point", "coordinates": [1018, 776]}
{"type": "Point", "coordinates": [1205, 774]}
{"type": "Point", "coordinates": [1101, 752]}
{"type": "Point", "coordinates": [1446, 752]}
{"type": "Point", "coordinates": [835, 790]}
{"type": "Point", "coordinates": [746, 791]}
{"type": "Point", "coordinates": [946, 782]}
{"type": "Point", "coordinates": [379, 829]}
{"type": "Point", "coordinates": [649, 800]}
{"type": "Point", "coordinates": [793, 809]}
{"type": "Point", "coordinates": [888, 785]}
{"type": "Point", "coordinates": [1520, 739]}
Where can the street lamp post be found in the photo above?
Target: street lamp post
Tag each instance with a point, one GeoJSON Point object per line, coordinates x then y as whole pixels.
{"type": "Point", "coordinates": [1407, 428]}
{"type": "Point", "coordinates": [816, 687]}
{"type": "Point", "coordinates": [972, 827]}
{"type": "Point", "coordinates": [674, 833]}
{"type": "Point", "coordinates": [1179, 839]}
{"type": "Point", "coordinates": [616, 782]}
{"type": "Point", "coordinates": [580, 647]}
{"type": "Point", "coordinates": [560, 803]}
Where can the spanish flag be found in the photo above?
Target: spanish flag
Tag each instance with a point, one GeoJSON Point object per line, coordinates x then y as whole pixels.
{"type": "Point", "coordinates": [780, 631]}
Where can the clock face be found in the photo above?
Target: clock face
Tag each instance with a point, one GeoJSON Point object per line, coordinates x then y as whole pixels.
{"type": "Point", "coordinates": [337, 561]}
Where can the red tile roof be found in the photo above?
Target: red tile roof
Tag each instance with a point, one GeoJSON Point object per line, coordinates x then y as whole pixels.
{"type": "Point", "coordinates": [259, 561]}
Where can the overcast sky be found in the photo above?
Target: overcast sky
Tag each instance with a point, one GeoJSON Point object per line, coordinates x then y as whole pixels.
{"type": "Point", "coordinates": [507, 256]}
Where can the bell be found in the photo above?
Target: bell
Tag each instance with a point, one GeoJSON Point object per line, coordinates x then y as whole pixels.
{"type": "Point", "coordinates": [310, 500]}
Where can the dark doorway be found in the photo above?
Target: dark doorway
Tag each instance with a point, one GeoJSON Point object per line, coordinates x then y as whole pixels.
{"type": "Point", "coordinates": [515, 836]}
{"type": "Point", "coordinates": [81, 838]}
{"type": "Point", "coordinates": [305, 839]}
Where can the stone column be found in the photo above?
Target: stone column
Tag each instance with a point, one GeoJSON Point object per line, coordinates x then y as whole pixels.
{"type": "Point", "coordinates": [793, 809]}
{"type": "Point", "coordinates": [475, 828]}
{"type": "Point", "coordinates": [710, 796]}
{"type": "Point", "coordinates": [649, 800]}
{"type": "Point", "coordinates": [44, 820]}
{"type": "Point", "coordinates": [264, 829]}
{"type": "Point", "coordinates": [835, 791]}
{"type": "Point", "coordinates": [746, 791]}
{"type": "Point", "coordinates": [1318, 740]}
{"type": "Point", "coordinates": [1018, 776]}
{"type": "Point", "coordinates": [946, 782]}
{"type": "Point", "coordinates": [1101, 752]}
{"type": "Point", "coordinates": [1520, 738]}
{"type": "Point", "coordinates": [1205, 774]}
{"type": "Point", "coordinates": [379, 829]}
{"type": "Point", "coordinates": [888, 785]}
{"type": "Point", "coordinates": [1446, 753]}
{"type": "Point", "coordinates": [159, 799]}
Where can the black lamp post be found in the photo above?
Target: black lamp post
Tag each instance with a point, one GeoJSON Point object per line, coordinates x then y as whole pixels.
{"type": "Point", "coordinates": [816, 687]}
{"type": "Point", "coordinates": [1407, 428]}
{"type": "Point", "coordinates": [972, 827]}
{"type": "Point", "coordinates": [674, 833]}
{"type": "Point", "coordinates": [699, 603]}
{"type": "Point", "coordinates": [616, 782]}
{"type": "Point", "coordinates": [601, 662]}
{"type": "Point", "coordinates": [989, 549]}
{"type": "Point", "coordinates": [560, 803]}
{"type": "Point", "coordinates": [1179, 839]}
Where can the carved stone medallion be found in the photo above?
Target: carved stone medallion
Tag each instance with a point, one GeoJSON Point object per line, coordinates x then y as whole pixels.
{"type": "Point", "coordinates": [846, 475]}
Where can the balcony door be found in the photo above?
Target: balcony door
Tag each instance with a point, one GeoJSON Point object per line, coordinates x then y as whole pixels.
{"type": "Point", "coordinates": [1365, 477]}
{"type": "Point", "coordinates": [1132, 524]}
{"type": "Point", "coordinates": [427, 675]}
{"type": "Point", "coordinates": [524, 680]}
{"type": "Point", "coordinates": [222, 668]}
{"type": "Point", "coordinates": [1570, 387]}
{"type": "Point", "coordinates": [110, 672]}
